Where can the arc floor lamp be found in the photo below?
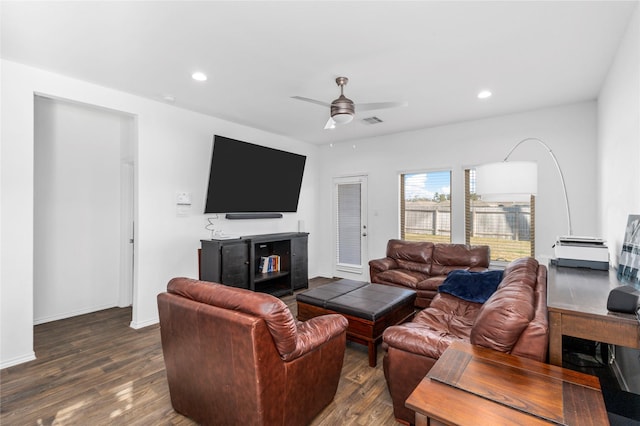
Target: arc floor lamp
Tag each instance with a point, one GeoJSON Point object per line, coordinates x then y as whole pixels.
{"type": "Point", "coordinates": [515, 180]}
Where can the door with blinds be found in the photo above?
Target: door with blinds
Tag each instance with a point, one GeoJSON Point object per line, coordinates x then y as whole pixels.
{"type": "Point", "coordinates": [350, 201]}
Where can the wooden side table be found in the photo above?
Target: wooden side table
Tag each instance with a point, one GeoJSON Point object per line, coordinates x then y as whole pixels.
{"type": "Point", "coordinates": [471, 385]}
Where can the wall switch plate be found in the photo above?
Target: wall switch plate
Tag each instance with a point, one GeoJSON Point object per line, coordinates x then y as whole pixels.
{"type": "Point", "coordinates": [183, 199]}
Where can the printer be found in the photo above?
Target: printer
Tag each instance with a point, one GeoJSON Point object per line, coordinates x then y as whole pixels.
{"type": "Point", "coordinates": [582, 252]}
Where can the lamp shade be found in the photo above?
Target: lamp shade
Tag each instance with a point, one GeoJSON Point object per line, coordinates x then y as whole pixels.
{"type": "Point", "coordinates": [507, 181]}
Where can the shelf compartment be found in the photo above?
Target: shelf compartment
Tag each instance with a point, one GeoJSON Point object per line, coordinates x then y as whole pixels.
{"type": "Point", "coordinates": [268, 276]}
{"type": "Point", "coordinates": [276, 288]}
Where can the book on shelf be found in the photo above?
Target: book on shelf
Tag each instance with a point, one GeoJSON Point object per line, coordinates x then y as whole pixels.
{"type": "Point", "coordinates": [270, 263]}
{"type": "Point", "coordinates": [264, 264]}
{"type": "Point", "coordinates": [275, 263]}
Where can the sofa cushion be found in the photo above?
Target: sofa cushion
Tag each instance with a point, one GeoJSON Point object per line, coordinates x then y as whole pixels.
{"type": "Point", "coordinates": [454, 314]}
{"type": "Point", "coordinates": [509, 310]}
{"type": "Point", "coordinates": [415, 251]}
{"type": "Point", "coordinates": [411, 255]}
{"type": "Point", "coordinates": [431, 283]}
{"type": "Point", "coordinates": [403, 277]}
{"type": "Point", "coordinates": [432, 330]}
{"type": "Point", "coordinates": [447, 257]}
{"type": "Point", "coordinates": [471, 286]}
{"type": "Point", "coordinates": [424, 298]}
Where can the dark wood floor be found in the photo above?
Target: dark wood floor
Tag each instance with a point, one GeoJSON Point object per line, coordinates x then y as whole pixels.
{"type": "Point", "coordinates": [96, 370]}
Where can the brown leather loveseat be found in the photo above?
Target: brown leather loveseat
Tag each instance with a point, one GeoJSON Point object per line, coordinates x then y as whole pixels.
{"type": "Point", "coordinates": [514, 319]}
{"type": "Point", "coordinates": [235, 357]}
{"type": "Point", "coordinates": [423, 266]}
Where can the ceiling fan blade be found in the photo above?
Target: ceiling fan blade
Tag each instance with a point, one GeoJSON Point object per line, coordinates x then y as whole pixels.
{"type": "Point", "coordinates": [331, 124]}
{"type": "Point", "coordinates": [313, 101]}
{"type": "Point", "coordinates": [380, 105]}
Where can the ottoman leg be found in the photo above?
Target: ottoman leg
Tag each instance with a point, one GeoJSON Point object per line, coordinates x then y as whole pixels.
{"type": "Point", "coordinates": [373, 352]}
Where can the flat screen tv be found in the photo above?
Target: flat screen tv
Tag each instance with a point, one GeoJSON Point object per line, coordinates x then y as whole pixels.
{"type": "Point", "coordinates": [249, 178]}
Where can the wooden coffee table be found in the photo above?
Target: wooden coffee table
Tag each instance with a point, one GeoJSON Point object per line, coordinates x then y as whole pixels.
{"type": "Point", "coordinates": [471, 385]}
{"type": "Point", "coordinates": [369, 308]}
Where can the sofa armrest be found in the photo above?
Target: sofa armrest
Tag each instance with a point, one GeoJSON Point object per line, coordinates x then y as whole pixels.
{"type": "Point", "coordinates": [380, 265]}
{"type": "Point", "coordinates": [418, 339]}
{"type": "Point", "coordinates": [317, 331]}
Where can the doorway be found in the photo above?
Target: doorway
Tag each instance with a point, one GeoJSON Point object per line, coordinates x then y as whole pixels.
{"type": "Point", "coordinates": [350, 215]}
{"type": "Point", "coordinates": [83, 193]}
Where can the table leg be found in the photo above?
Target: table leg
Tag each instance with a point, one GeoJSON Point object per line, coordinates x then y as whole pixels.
{"type": "Point", "coordinates": [555, 338]}
{"type": "Point", "coordinates": [421, 420]}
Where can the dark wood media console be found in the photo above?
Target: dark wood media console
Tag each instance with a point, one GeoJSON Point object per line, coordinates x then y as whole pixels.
{"type": "Point", "coordinates": [236, 262]}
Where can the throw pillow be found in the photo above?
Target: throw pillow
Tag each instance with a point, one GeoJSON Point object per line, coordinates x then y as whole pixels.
{"type": "Point", "coordinates": [471, 286]}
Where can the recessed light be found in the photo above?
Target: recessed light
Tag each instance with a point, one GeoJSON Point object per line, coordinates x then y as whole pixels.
{"type": "Point", "coordinates": [199, 76]}
{"type": "Point", "coordinates": [484, 94]}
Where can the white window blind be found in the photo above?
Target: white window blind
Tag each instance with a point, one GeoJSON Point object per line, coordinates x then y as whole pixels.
{"type": "Point", "coordinates": [349, 224]}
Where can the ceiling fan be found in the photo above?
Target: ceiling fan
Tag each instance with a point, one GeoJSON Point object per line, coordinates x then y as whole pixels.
{"type": "Point", "coordinates": [343, 109]}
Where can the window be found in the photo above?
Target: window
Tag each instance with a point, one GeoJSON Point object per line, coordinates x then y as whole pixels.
{"type": "Point", "coordinates": [507, 227]}
{"type": "Point", "coordinates": [425, 206]}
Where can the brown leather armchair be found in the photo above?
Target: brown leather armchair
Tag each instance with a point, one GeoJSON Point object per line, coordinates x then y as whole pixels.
{"type": "Point", "coordinates": [233, 356]}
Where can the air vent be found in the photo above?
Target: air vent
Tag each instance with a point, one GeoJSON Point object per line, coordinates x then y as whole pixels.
{"type": "Point", "coordinates": [372, 120]}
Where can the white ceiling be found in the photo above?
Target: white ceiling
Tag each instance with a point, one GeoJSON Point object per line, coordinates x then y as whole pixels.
{"type": "Point", "coordinates": [436, 55]}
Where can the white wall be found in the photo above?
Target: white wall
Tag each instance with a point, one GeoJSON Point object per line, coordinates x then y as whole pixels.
{"type": "Point", "coordinates": [619, 161]}
{"type": "Point", "coordinates": [173, 155]}
{"type": "Point", "coordinates": [76, 209]}
{"type": "Point", "coordinates": [570, 131]}
{"type": "Point", "coordinates": [619, 140]}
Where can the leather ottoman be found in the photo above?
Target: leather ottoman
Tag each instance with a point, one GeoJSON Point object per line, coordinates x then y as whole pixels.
{"type": "Point", "coordinates": [369, 308]}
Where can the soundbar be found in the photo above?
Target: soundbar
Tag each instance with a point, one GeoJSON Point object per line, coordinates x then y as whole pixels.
{"type": "Point", "coordinates": [253, 216]}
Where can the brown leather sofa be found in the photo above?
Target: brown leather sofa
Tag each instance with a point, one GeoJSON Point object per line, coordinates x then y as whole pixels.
{"type": "Point", "coordinates": [423, 266]}
{"type": "Point", "coordinates": [236, 357]}
{"type": "Point", "coordinates": [513, 320]}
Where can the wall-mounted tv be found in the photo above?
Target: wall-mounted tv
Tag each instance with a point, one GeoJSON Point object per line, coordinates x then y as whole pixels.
{"type": "Point", "coordinates": [249, 178]}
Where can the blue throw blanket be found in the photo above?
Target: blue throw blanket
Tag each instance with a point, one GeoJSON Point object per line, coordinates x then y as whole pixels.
{"type": "Point", "coordinates": [471, 286]}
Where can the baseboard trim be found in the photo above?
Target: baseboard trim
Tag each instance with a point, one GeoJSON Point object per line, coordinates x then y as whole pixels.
{"type": "Point", "coordinates": [65, 315]}
{"type": "Point", "coordinates": [136, 325]}
{"type": "Point", "coordinates": [18, 360]}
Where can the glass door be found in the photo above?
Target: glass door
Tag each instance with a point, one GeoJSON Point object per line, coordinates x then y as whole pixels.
{"type": "Point", "coordinates": [350, 201]}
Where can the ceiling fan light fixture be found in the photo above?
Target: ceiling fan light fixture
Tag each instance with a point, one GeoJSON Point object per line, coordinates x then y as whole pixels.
{"type": "Point", "coordinates": [342, 118]}
{"type": "Point", "coordinates": [342, 110]}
